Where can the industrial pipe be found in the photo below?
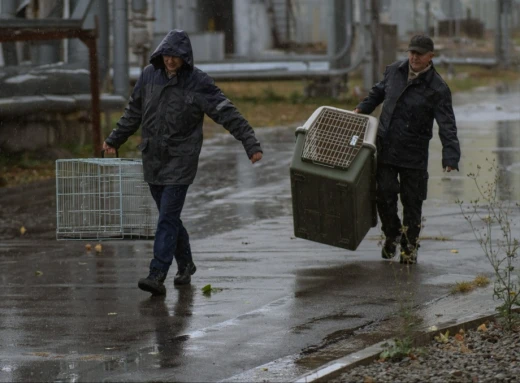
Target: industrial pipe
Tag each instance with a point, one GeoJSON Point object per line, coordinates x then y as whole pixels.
{"type": "Point", "coordinates": [7, 11]}
{"type": "Point", "coordinates": [349, 11]}
{"type": "Point", "coordinates": [120, 61]}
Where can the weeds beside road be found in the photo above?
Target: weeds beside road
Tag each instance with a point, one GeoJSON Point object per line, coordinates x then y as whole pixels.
{"type": "Point", "coordinates": [263, 104]}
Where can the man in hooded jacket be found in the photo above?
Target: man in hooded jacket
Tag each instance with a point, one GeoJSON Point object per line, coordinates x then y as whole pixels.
{"type": "Point", "coordinates": [414, 94]}
{"type": "Point", "coordinates": [168, 102]}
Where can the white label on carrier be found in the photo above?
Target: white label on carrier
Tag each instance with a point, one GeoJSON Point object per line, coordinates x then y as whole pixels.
{"type": "Point", "coordinates": [353, 141]}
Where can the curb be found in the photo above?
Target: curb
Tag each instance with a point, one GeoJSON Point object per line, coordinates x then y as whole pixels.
{"type": "Point", "coordinates": [363, 357]}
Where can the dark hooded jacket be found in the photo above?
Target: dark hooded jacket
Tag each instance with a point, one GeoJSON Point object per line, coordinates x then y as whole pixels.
{"type": "Point", "coordinates": [406, 121]}
{"type": "Point", "coordinates": [171, 113]}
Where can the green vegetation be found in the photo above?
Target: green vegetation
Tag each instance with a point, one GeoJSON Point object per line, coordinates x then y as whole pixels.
{"type": "Point", "coordinates": [22, 168]}
{"type": "Point", "coordinates": [467, 286]}
{"type": "Point", "coordinates": [263, 104]}
{"type": "Point", "coordinates": [408, 320]}
{"type": "Point", "coordinates": [490, 219]}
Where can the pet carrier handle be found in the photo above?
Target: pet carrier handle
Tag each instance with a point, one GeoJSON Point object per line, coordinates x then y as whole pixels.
{"type": "Point", "coordinates": [103, 153]}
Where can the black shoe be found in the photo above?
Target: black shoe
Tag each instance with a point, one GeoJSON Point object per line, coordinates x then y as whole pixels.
{"type": "Point", "coordinates": [408, 254]}
{"type": "Point", "coordinates": [183, 277]}
{"type": "Point", "coordinates": [390, 247]}
{"type": "Point", "coordinates": [153, 283]}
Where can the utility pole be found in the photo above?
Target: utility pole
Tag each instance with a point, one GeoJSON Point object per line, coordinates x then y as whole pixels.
{"type": "Point", "coordinates": [415, 27]}
{"type": "Point", "coordinates": [376, 38]}
{"type": "Point", "coordinates": [369, 11]}
{"type": "Point", "coordinates": [503, 32]}
{"type": "Point", "coordinates": [427, 21]}
{"type": "Point", "coordinates": [8, 11]}
{"type": "Point", "coordinates": [368, 75]}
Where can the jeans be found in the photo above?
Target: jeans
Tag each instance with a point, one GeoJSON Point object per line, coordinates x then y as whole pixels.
{"type": "Point", "coordinates": [412, 184]}
{"type": "Point", "coordinates": [171, 237]}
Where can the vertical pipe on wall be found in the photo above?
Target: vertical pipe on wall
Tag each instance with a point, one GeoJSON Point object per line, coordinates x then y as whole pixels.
{"type": "Point", "coordinates": [364, 21]}
{"type": "Point", "coordinates": [427, 20]}
{"type": "Point", "coordinates": [498, 32]}
{"type": "Point", "coordinates": [77, 51]}
{"type": "Point", "coordinates": [48, 52]}
{"type": "Point", "coordinates": [100, 7]}
{"type": "Point", "coordinates": [139, 6]}
{"type": "Point", "coordinates": [120, 48]}
{"type": "Point", "coordinates": [7, 11]}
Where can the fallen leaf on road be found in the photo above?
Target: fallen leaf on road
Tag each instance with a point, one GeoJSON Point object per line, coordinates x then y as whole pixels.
{"type": "Point", "coordinates": [482, 327]}
{"type": "Point", "coordinates": [88, 247]}
{"type": "Point", "coordinates": [454, 251]}
{"type": "Point", "coordinates": [38, 273]}
{"type": "Point", "coordinates": [23, 230]}
{"type": "Point", "coordinates": [207, 290]}
{"type": "Point", "coordinates": [98, 248]}
{"type": "Point", "coordinates": [42, 354]}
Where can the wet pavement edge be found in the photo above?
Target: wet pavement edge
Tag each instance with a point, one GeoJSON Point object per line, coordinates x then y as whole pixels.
{"type": "Point", "coordinates": [480, 301]}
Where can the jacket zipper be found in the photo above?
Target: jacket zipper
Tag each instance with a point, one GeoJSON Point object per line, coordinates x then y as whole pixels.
{"type": "Point", "coordinates": [393, 110]}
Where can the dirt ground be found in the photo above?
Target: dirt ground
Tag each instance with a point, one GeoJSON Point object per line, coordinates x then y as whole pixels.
{"type": "Point", "coordinates": [31, 206]}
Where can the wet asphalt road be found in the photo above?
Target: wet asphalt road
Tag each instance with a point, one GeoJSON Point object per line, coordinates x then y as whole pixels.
{"type": "Point", "coordinates": [284, 305]}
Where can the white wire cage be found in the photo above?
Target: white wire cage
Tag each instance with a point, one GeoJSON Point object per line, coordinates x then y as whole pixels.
{"type": "Point", "coordinates": [103, 198]}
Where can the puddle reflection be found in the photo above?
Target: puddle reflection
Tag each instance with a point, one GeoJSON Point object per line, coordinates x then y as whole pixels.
{"type": "Point", "coordinates": [481, 144]}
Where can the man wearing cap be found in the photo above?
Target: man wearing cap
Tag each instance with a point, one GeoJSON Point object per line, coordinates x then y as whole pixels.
{"type": "Point", "coordinates": [414, 95]}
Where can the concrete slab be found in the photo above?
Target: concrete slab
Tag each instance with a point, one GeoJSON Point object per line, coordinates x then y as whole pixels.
{"type": "Point", "coordinates": [449, 313]}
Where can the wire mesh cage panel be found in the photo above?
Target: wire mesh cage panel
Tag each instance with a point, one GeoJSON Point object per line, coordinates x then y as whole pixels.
{"type": "Point", "coordinates": [103, 198]}
{"type": "Point", "coordinates": [335, 137]}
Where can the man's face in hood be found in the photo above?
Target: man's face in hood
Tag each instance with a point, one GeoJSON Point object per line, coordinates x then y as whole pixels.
{"type": "Point", "coordinates": [172, 63]}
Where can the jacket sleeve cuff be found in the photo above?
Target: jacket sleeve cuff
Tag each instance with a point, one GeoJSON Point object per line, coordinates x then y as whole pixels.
{"type": "Point", "coordinates": [254, 149]}
{"type": "Point", "coordinates": [451, 164]}
{"type": "Point", "coordinates": [111, 142]}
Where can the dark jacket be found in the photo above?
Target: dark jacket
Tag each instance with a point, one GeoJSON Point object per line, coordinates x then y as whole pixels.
{"type": "Point", "coordinates": [171, 113]}
{"type": "Point", "coordinates": [406, 121]}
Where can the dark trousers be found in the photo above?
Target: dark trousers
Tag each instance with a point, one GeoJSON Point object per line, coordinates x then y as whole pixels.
{"type": "Point", "coordinates": [171, 237]}
{"type": "Point", "coordinates": [412, 184]}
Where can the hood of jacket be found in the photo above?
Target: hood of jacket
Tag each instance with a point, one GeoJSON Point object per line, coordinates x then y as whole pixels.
{"type": "Point", "coordinates": [175, 43]}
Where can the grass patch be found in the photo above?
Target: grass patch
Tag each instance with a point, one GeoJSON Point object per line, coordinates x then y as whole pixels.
{"type": "Point", "coordinates": [22, 168]}
{"type": "Point", "coordinates": [262, 103]}
{"type": "Point", "coordinates": [463, 287]}
{"type": "Point", "coordinates": [468, 286]}
{"type": "Point", "coordinates": [280, 103]}
{"type": "Point", "coordinates": [481, 281]}
{"type": "Point", "coordinates": [467, 77]}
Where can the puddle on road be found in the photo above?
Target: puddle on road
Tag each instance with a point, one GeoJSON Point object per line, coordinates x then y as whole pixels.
{"type": "Point", "coordinates": [488, 128]}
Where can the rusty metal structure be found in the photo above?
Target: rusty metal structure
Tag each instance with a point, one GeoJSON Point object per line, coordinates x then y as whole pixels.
{"type": "Point", "coordinates": [17, 29]}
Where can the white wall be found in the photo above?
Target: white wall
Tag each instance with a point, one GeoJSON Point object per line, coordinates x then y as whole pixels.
{"type": "Point", "coordinates": [252, 31]}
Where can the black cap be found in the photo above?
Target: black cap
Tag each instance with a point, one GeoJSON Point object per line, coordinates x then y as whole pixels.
{"type": "Point", "coordinates": [421, 44]}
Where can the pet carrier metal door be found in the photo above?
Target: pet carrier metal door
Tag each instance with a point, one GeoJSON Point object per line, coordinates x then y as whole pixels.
{"type": "Point", "coordinates": [333, 177]}
{"type": "Point", "coordinates": [103, 198]}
